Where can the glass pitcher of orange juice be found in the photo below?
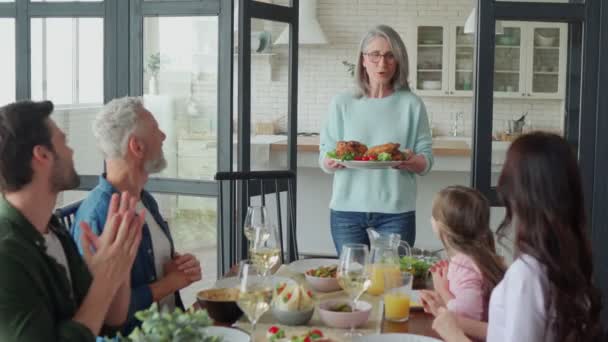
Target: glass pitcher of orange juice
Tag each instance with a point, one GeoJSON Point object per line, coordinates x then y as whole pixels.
{"type": "Point", "coordinates": [384, 258]}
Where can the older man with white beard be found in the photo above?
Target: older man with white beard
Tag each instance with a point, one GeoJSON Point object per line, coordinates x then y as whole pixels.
{"type": "Point", "coordinates": [131, 141]}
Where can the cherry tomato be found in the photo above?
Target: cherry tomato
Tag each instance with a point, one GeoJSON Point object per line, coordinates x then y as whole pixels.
{"type": "Point", "coordinates": [365, 158]}
{"type": "Point", "coordinates": [316, 332]}
{"type": "Point", "coordinates": [358, 158]}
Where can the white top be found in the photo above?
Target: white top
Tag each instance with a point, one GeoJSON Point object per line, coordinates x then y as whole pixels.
{"type": "Point", "coordinates": [161, 247]}
{"type": "Point", "coordinates": [517, 305]}
{"type": "Point", "coordinates": [54, 249]}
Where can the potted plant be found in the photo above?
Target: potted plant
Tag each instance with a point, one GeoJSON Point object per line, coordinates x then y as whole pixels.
{"type": "Point", "coordinates": [350, 68]}
{"type": "Point", "coordinates": [152, 68]}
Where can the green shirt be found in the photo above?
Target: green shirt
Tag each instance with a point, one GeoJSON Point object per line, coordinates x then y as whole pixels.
{"type": "Point", "coordinates": [398, 118]}
{"type": "Point", "coordinates": [36, 303]}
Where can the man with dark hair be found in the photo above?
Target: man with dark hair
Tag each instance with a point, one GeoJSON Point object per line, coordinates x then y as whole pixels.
{"type": "Point", "coordinates": [47, 291]}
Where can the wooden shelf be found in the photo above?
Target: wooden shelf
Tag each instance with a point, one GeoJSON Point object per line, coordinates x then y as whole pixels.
{"type": "Point", "coordinates": [463, 70]}
{"type": "Point", "coordinates": [430, 45]}
{"type": "Point", "coordinates": [430, 70]}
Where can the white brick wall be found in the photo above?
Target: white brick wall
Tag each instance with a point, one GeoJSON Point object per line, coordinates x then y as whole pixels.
{"type": "Point", "coordinates": [322, 75]}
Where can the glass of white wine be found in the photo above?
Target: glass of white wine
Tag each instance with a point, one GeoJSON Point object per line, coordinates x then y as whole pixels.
{"type": "Point", "coordinates": [255, 293]}
{"type": "Point", "coordinates": [353, 274]}
{"type": "Point", "coordinates": [266, 248]}
{"type": "Point", "coordinates": [257, 218]}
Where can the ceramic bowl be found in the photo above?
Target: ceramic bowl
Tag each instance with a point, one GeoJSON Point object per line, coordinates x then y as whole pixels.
{"type": "Point", "coordinates": [220, 304]}
{"type": "Point", "coordinates": [344, 320]}
{"type": "Point", "coordinates": [544, 41]}
{"type": "Point", "coordinates": [323, 284]}
{"type": "Point", "coordinates": [292, 317]}
{"type": "Point", "coordinates": [431, 85]}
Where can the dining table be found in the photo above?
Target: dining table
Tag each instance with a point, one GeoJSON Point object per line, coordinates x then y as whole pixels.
{"type": "Point", "coordinates": [419, 322]}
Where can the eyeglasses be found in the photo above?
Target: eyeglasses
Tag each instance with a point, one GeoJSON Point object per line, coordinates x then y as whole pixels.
{"type": "Point", "coordinates": [375, 57]}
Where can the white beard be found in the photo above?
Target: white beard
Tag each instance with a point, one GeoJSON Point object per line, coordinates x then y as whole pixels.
{"type": "Point", "coordinates": [156, 165]}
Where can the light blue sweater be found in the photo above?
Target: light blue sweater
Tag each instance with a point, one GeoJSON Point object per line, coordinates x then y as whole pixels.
{"type": "Point", "coordinates": [400, 117]}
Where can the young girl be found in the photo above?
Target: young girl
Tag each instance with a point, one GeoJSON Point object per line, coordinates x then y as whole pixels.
{"type": "Point", "coordinates": [460, 218]}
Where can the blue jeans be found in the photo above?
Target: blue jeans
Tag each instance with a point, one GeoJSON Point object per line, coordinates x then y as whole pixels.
{"type": "Point", "coordinates": [350, 226]}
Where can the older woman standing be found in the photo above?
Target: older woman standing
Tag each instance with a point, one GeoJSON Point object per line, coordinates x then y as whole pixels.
{"type": "Point", "coordinates": [382, 110]}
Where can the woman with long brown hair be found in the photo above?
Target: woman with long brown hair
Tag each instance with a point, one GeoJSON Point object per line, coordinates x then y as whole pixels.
{"type": "Point", "coordinates": [547, 293]}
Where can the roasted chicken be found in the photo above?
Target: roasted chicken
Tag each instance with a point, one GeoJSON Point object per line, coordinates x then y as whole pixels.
{"type": "Point", "coordinates": [354, 147]}
{"type": "Point", "coordinates": [390, 148]}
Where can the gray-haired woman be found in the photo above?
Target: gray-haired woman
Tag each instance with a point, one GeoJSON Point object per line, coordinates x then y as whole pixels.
{"type": "Point", "coordinates": [381, 110]}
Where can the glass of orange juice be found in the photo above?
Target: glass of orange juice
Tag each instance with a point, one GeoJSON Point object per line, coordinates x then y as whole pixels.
{"type": "Point", "coordinates": [378, 273]}
{"type": "Point", "coordinates": [397, 294]}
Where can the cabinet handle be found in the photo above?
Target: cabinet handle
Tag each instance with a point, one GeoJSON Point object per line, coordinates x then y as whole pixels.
{"type": "Point", "coordinates": [529, 94]}
{"type": "Point", "coordinates": [523, 94]}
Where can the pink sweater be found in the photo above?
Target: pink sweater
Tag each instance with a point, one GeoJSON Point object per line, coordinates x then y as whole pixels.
{"type": "Point", "coordinates": [466, 284]}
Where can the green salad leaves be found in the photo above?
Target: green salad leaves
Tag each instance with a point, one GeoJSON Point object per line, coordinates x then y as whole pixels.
{"type": "Point", "coordinates": [346, 156]}
{"type": "Point", "coordinates": [418, 267]}
{"type": "Point", "coordinates": [176, 326]}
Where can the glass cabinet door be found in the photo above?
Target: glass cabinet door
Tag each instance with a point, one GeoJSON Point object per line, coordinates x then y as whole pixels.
{"type": "Point", "coordinates": [464, 52]}
{"type": "Point", "coordinates": [546, 60]}
{"type": "Point", "coordinates": [507, 63]}
{"type": "Point", "coordinates": [430, 62]}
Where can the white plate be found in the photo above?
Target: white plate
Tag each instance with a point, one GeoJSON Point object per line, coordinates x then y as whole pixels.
{"type": "Point", "coordinates": [228, 334]}
{"type": "Point", "coordinates": [303, 265]}
{"type": "Point", "coordinates": [233, 282]}
{"type": "Point", "coordinates": [374, 164]}
{"type": "Point", "coordinates": [394, 338]}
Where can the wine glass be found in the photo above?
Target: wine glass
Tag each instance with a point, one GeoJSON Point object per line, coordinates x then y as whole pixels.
{"type": "Point", "coordinates": [266, 248]}
{"type": "Point", "coordinates": [353, 274]}
{"type": "Point", "coordinates": [255, 293]}
{"type": "Point", "coordinates": [257, 217]}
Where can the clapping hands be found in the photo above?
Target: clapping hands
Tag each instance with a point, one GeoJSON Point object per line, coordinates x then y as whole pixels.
{"type": "Point", "coordinates": [111, 255]}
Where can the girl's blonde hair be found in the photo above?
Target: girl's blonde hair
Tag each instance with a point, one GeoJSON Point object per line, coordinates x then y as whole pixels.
{"type": "Point", "coordinates": [462, 215]}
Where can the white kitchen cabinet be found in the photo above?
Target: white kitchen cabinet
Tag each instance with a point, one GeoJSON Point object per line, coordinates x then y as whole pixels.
{"type": "Point", "coordinates": [461, 62]}
{"type": "Point", "coordinates": [442, 60]}
{"type": "Point", "coordinates": [530, 60]}
{"type": "Point", "coordinates": [430, 60]}
{"type": "Point", "coordinates": [510, 62]}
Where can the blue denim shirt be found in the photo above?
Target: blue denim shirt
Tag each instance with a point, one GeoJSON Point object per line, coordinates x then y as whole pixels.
{"type": "Point", "coordinates": [94, 210]}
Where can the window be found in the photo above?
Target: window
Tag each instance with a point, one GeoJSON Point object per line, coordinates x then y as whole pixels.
{"type": "Point", "coordinates": [7, 61]}
{"type": "Point", "coordinates": [67, 60]}
{"type": "Point", "coordinates": [180, 89]}
{"type": "Point", "coordinates": [67, 69]}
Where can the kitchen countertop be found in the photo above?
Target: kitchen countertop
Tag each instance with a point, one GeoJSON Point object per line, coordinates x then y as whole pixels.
{"type": "Point", "coordinates": [454, 148]}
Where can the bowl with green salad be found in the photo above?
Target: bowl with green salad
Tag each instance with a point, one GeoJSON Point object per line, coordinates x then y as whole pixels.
{"type": "Point", "coordinates": [419, 264]}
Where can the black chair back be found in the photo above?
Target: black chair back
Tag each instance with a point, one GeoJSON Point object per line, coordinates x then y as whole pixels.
{"type": "Point", "coordinates": [256, 183]}
{"type": "Point", "coordinates": [66, 214]}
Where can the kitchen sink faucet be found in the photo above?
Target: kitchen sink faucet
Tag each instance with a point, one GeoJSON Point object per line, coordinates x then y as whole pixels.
{"type": "Point", "coordinates": [457, 122]}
